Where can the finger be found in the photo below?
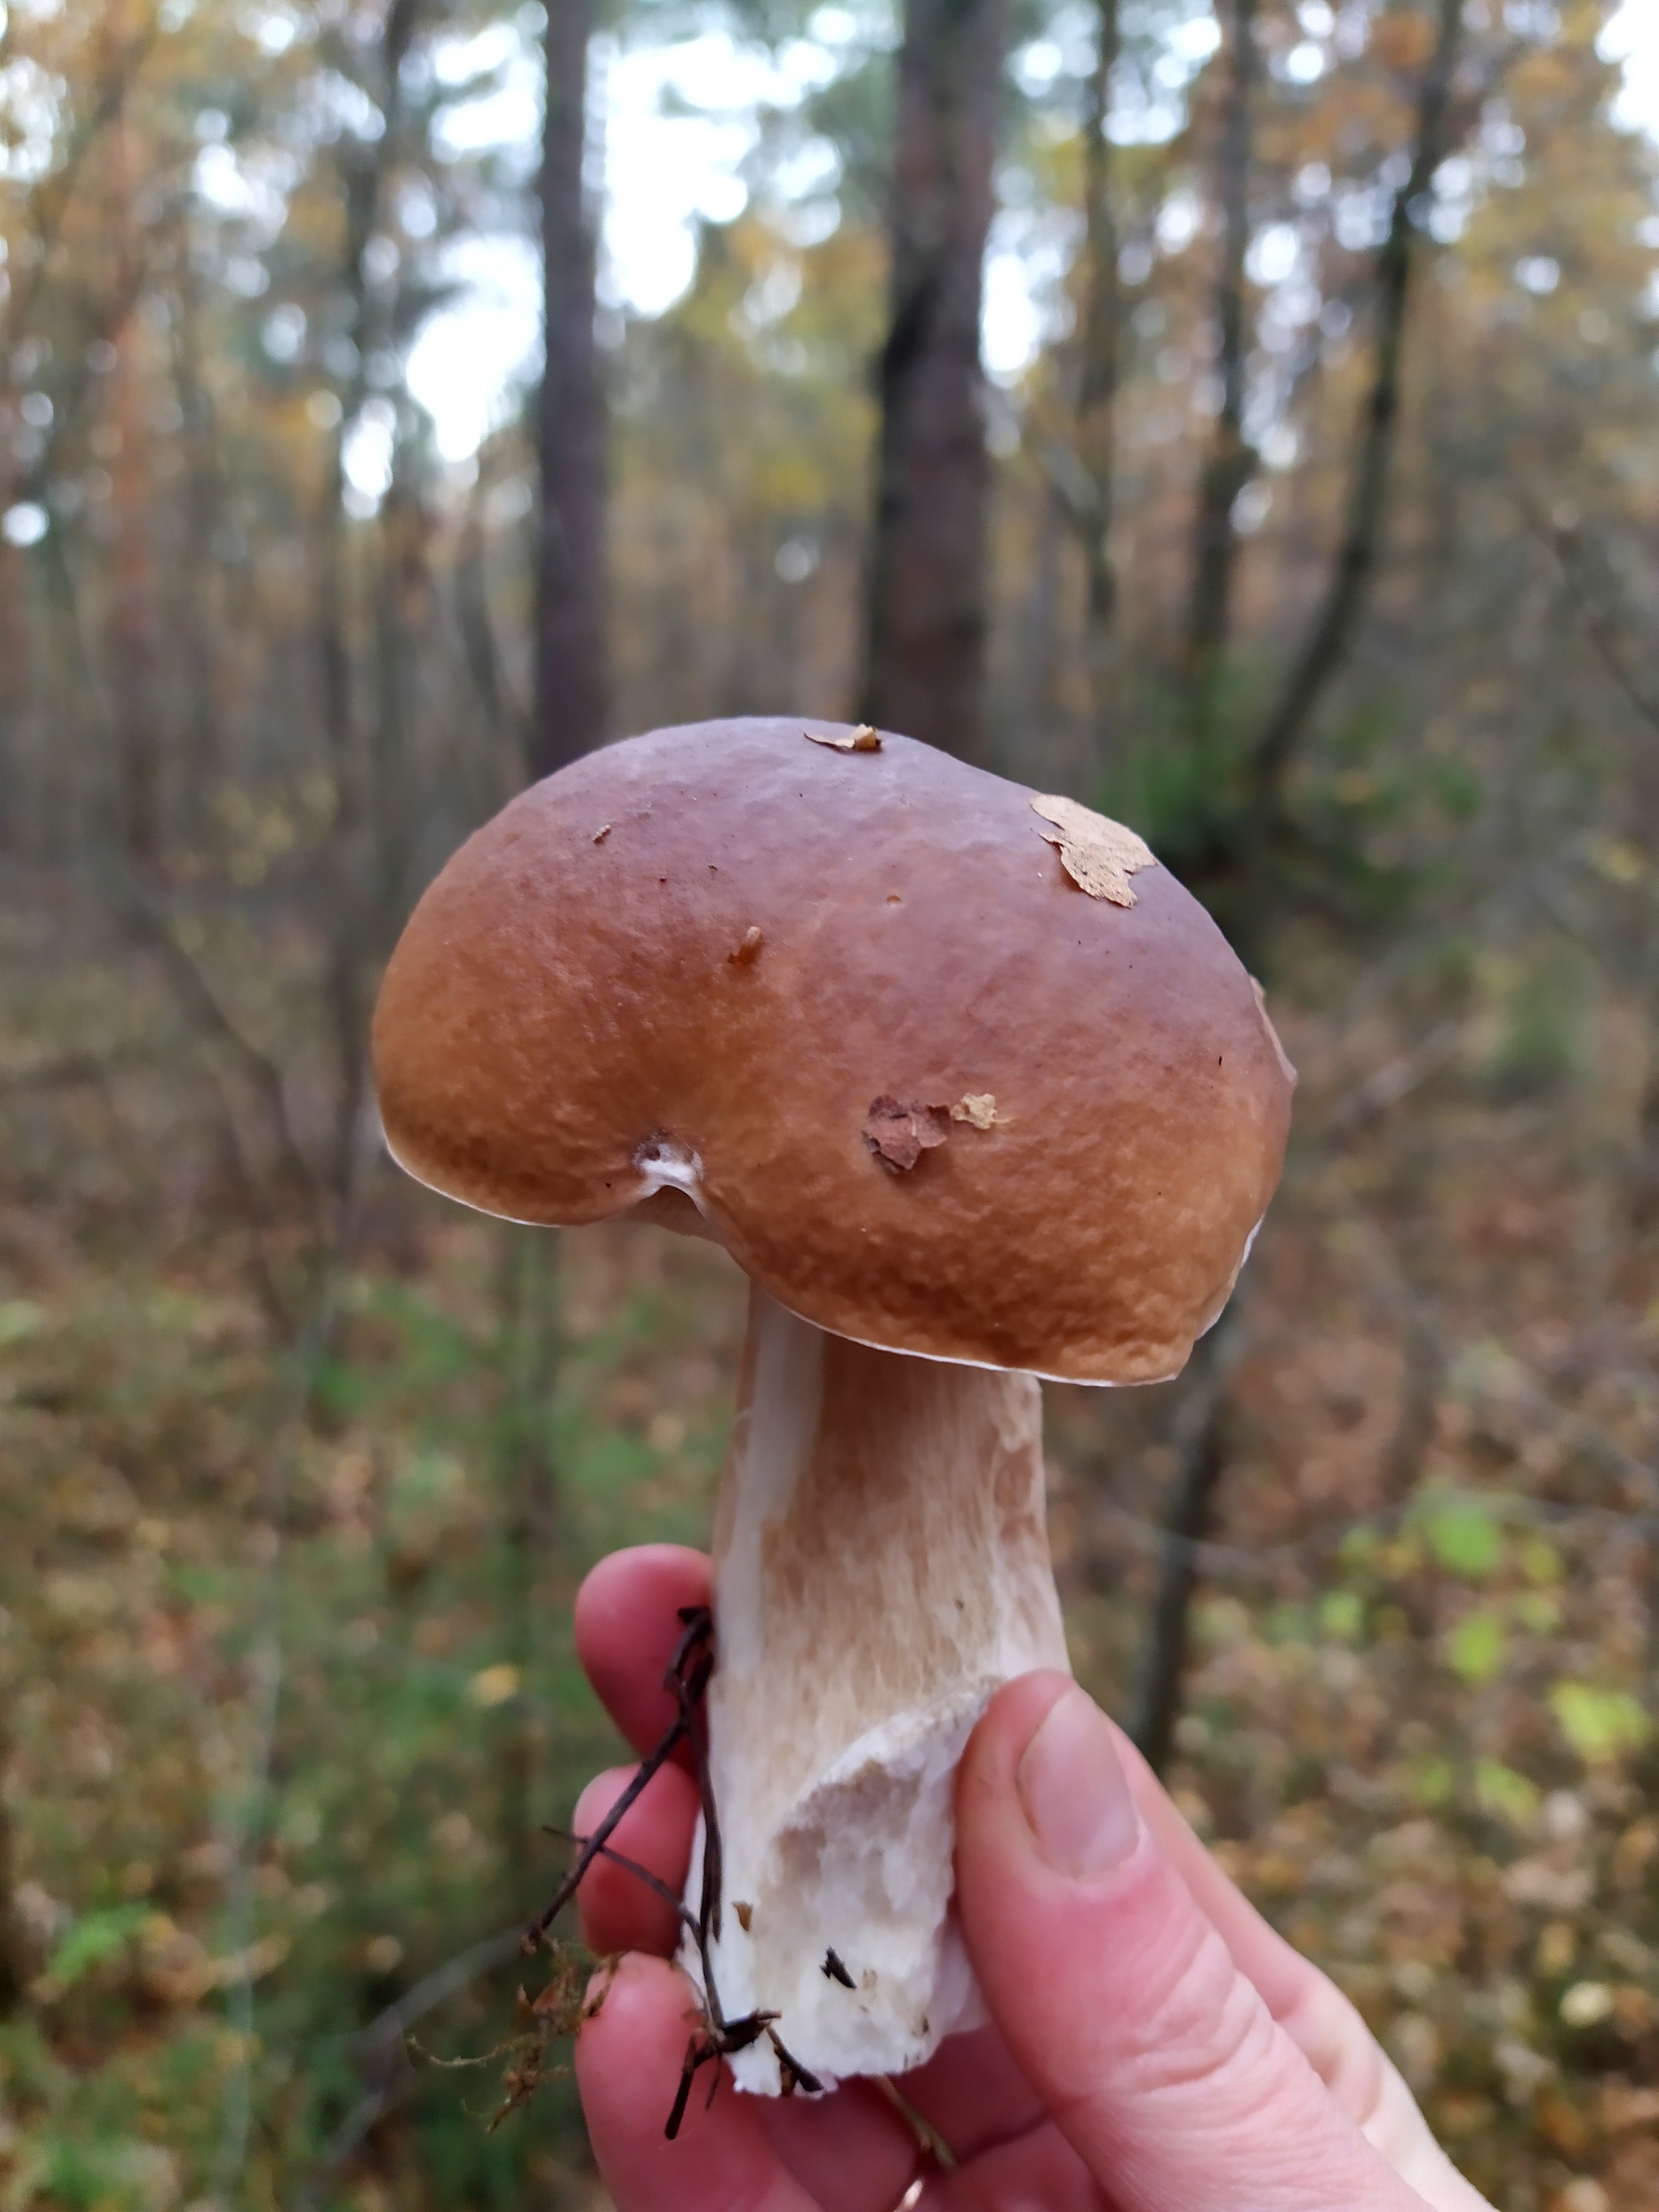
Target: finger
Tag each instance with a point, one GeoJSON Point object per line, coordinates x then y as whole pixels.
{"type": "Point", "coordinates": [847, 2153]}
{"type": "Point", "coordinates": [972, 2092]}
{"type": "Point", "coordinates": [1038, 2169]}
{"type": "Point", "coordinates": [851, 2151]}
{"type": "Point", "coordinates": [1119, 2002]}
{"type": "Point", "coordinates": [628, 2058]}
{"type": "Point", "coordinates": [620, 1913]}
{"type": "Point", "coordinates": [1312, 2011]}
{"type": "Point", "coordinates": [628, 1625]}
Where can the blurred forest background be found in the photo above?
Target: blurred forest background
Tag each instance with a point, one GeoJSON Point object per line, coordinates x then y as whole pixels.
{"type": "Point", "coordinates": [1309, 521]}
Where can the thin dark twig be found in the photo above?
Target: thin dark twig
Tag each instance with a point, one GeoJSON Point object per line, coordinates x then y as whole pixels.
{"type": "Point", "coordinates": [388, 2029]}
{"type": "Point", "coordinates": [652, 1881]}
{"type": "Point", "coordinates": [204, 1005]}
{"type": "Point", "coordinates": [686, 1677]}
{"type": "Point", "coordinates": [688, 1688]}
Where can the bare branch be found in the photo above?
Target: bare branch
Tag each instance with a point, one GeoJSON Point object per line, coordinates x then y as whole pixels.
{"type": "Point", "coordinates": [382, 2042]}
{"type": "Point", "coordinates": [1396, 1079]}
{"type": "Point", "coordinates": [208, 1014]}
{"type": "Point", "coordinates": [1563, 534]}
{"type": "Point", "coordinates": [386, 2032]}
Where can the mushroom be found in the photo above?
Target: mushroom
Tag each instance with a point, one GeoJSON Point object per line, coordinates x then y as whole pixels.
{"type": "Point", "coordinates": [975, 1093]}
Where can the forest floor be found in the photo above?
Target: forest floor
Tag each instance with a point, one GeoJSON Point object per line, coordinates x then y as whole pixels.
{"type": "Point", "coordinates": [287, 1694]}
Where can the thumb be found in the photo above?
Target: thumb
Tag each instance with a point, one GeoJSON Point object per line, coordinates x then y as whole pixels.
{"type": "Point", "coordinates": [1119, 2000]}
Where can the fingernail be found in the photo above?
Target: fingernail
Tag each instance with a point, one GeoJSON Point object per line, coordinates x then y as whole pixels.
{"type": "Point", "coordinates": [1072, 1786]}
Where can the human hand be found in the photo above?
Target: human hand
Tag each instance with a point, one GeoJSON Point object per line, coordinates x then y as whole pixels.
{"type": "Point", "coordinates": [1155, 2045]}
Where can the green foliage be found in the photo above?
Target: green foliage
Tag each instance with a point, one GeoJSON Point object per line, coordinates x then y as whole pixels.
{"type": "Point", "coordinates": [1464, 1536]}
{"type": "Point", "coordinates": [1538, 1040]}
{"type": "Point", "coordinates": [1601, 1725]}
{"type": "Point", "coordinates": [1425, 1741]}
{"type": "Point", "coordinates": [1500, 1790]}
{"type": "Point", "coordinates": [93, 1938]}
{"type": "Point", "coordinates": [1342, 1615]}
{"type": "Point", "coordinates": [1476, 1647]}
{"type": "Point", "coordinates": [431, 1714]}
{"type": "Point", "coordinates": [18, 1317]}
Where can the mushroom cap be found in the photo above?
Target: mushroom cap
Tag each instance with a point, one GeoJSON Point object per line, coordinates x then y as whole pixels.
{"type": "Point", "coordinates": [928, 1092]}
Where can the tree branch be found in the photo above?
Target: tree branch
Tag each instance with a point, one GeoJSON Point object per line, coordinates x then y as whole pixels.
{"type": "Point", "coordinates": [1565, 539]}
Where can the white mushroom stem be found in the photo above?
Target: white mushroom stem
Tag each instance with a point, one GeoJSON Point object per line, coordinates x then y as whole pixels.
{"type": "Point", "coordinates": [881, 1565]}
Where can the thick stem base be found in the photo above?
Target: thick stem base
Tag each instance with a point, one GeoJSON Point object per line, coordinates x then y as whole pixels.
{"type": "Point", "coordinates": [881, 1566]}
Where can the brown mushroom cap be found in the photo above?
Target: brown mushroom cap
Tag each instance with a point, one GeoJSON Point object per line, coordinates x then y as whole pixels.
{"type": "Point", "coordinates": [724, 958]}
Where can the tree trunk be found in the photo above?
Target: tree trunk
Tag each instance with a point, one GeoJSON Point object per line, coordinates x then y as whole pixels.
{"type": "Point", "coordinates": [132, 631]}
{"type": "Point", "coordinates": [1097, 377]}
{"type": "Point", "coordinates": [1230, 463]}
{"type": "Point", "coordinates": [1201, 1450]}
{"type": "Point", "coordinates": [569, 673]}
{"type": "Point", "coordinates": [925, 631]}
{"type": "Point", "coordinates": [530, 1307]}
{"type": "Point", "coordinates": [132, 634]}
{"type": "Point", "coordinates": [196, 614]}
{"type": "Point", "coordinates": [13, 1966]}
{"type": "Point", "coordinates": [1333, 625]}
{"type": "Point", "coordinates": [15, 680]}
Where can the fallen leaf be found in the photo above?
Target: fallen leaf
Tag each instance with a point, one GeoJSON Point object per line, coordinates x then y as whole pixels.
{"type": "Point", "coordinates": [745, 1913]}
{"type": "Point", "coordinates": [866, 738]}
{"type": "Point", "coordinates": [1623, 2107]}
{"type": "Point", "coordinates": [1098, 854]}
{"type": "Point", "coordinates": [752, 941]}
{"type": "Point", "coordinates": [979, 1107]}
{"type": "Point", "coordinates": [493, 1686]}
{"type": "Point", "coordinates": [899, 1133]}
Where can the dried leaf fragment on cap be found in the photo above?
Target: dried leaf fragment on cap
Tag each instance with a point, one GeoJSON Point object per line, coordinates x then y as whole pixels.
{"type": "Point", "coordinates": [979, 1107]}
{"type": "Point", "coordinates": [898, 1132]}
{"type": "Point", "coordinates": [1098, 854]}
{"type": "Point", "coordinates": [866, 738]}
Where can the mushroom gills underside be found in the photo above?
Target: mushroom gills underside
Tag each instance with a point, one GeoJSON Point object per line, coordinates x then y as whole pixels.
{"type": "Point", "coordinates": [881, 1566]}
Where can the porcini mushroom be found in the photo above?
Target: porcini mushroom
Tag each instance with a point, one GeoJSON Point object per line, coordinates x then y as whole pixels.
{"type": "Point", "coordinates": [975, 1093]}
